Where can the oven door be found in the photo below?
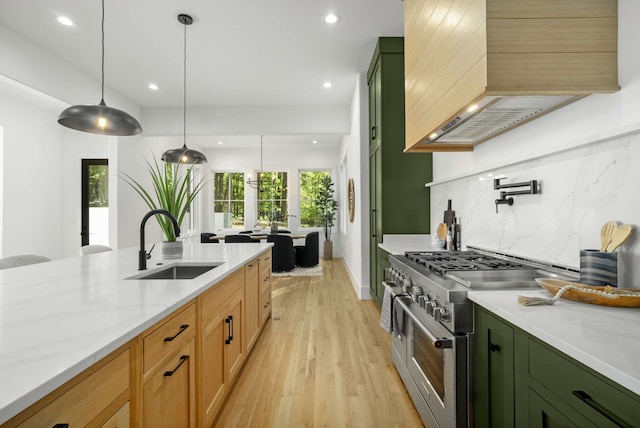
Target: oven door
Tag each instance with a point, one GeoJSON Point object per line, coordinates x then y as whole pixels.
{"type": "Point", "coordinates": [437, 362]}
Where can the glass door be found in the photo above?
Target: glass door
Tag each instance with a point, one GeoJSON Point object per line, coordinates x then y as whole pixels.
{"type": "Point", "coordinates": [95, 202]}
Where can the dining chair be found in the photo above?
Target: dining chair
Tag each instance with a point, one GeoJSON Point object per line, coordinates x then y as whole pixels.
{"type": "Point", "coordinates": [283, 257]}
{"type": "Point", "coordinates": [22, 260]}
{"type": "Point", "coordinates": [85, 250]}
{"type": "Point", "coordinates": [208, 238]}
{"type": "Point", "coordinates": [307, 255]}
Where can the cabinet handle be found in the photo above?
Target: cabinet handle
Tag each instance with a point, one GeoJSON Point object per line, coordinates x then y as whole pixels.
{"type": "Point", "coordinates": [182, 360]}
{"type": "Point", "coordinates": [373, 132]}
{"type": "Point", "coordinates": [373, 223]}
{"type": "Point", "coordinates": [183, 327]}
{"type": "Point", "coordinates": [266, 278]}
{"type": "Point", "coordinates": [586, 398]}
{"type": "Point", "coordinates": [229, 320]}
{"type": "Point", "coordinates": [250, 265]}
{"type": "Point", "coordinates": [61, 426]}
{"type": "Point", "coordinates": [493, 347]}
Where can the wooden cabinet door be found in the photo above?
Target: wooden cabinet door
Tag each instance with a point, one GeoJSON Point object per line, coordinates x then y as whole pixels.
{"type": "Point", "coordinates": [495, 387]}
{"type": "Point", "coordinates": [235, 346]}
{"type": "Point", "coordinates": [252, 303]}
{"type": "Point", "coordinates": [265, 287]}
{"type": "Point", "coordinates": [214, 380]}
{"type": "Point", "coordinates": [120, 419]}
{"type": "Point", "coordinates": [169, 392]}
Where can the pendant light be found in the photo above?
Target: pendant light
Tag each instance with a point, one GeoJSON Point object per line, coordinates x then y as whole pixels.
{"type": "Point", "coordinates": [256, 184]}
{"type": "Point", "coordinates": [100, 119]}
{"type": "Point", "coordinates": [184, 154]}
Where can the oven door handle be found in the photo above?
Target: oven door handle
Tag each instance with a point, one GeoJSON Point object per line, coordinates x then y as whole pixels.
{"type": "Point", "coordinates": [438, 342]}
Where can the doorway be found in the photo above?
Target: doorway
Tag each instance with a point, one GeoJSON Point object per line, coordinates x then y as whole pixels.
{"type": "Point", "coordinates": [95, 202]}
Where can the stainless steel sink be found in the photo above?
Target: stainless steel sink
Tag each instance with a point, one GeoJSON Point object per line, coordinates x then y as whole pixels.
{"type": "Point", "coordinates": [177, 271]}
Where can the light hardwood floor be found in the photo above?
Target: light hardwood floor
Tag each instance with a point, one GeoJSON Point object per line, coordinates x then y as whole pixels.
{"type": "Point", "coordinates": [322, 361]}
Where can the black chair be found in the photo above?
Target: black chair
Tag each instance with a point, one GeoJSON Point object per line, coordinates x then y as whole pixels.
{"type": "Point", "coordinates": [248, 232]}
{"type": "Point", "coordinates": [230, 239]}
{"type": "Point", "coordinates": [307, 254]}
{"type": "Point", "coordinates": [283, 257]}
{"type": "Point", "coordinates": [208, 238]}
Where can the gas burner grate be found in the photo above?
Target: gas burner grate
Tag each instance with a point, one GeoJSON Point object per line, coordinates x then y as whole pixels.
{"type": "Point", "coordinates": [442, 262]}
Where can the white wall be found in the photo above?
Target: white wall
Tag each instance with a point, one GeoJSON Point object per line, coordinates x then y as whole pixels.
{"type": "Point", "coordinates": [585, 156]}
{"type": "Point", "coordinates": [355, 148]}
{"type": "Point", "coordinates": [31, 176]}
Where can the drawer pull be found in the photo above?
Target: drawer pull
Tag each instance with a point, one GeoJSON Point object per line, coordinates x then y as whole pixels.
{"type": "Point", "coordinates": [229, 320]}
{"type": "Point", "coordinates": [183, 327]}
{"type": "Point", "coordinates": [182, 360]}
{"type": "Point", "coordinates": [586, 398]}
{"type": "Point", "coordinates": [61, 426]}
{"type": "Point", "coordinates": [493, 347]}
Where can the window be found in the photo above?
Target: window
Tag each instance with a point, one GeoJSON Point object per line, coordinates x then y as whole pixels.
{"type": "Point", "coordinates": [273, 199]}
{"type": "Point", "coordinates": [228, 200]}
{"type": "Point", "coordinates": [310, 184]}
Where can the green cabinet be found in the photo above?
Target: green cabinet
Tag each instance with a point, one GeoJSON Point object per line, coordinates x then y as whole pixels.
{"type": "Point", "coordinates": [398, 200]}
{"type": "Point", "coordinates": [521, 381]}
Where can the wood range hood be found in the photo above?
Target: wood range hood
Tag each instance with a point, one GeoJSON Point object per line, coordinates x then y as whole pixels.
{"type": "Point", "coordinates": [476, 69]}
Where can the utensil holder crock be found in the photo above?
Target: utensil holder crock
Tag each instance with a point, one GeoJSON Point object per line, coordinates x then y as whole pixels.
{"type": "Point", "coordinates": [600, 268]}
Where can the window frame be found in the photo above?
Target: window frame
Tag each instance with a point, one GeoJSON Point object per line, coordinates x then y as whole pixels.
{"type": "Point", "coordinates": [229, 201]}
{"type": "Point", "coordinates": [300, 171]}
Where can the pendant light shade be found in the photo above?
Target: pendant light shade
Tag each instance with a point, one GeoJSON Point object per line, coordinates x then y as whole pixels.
{"type": "Point", "coordinates": [184, 154]}
{"type": "Point", "coordinates": [100, 119]}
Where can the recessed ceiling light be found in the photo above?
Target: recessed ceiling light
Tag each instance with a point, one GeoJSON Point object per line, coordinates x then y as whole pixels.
{"type": "Point", "coordinates": [65, 21]}
{"type": "Point", "coordinates": [220, 143]}
{"type": "Point", "coordinates": [331, 18]}
{"type": "Point", "coordinates": [326, 85]}
{"type": "Point", "coordinates": [315, 141]}
{"type": "Point", "coordinates": [153, 86]}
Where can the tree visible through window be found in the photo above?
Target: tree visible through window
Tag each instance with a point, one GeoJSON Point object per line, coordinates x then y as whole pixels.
{"type": "Point", "coordinates": [310, 184]}
{"type": "Point", "coordinates": [273, 199]}
{"type": "Point", "coordinates": [228, 200]}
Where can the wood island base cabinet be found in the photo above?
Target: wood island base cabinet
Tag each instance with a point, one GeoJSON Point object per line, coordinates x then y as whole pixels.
{"type": "Point", "coordinates": [177, 373]}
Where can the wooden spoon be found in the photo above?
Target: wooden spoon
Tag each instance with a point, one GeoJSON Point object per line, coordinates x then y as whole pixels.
{"type": "Point", "coordinates": [620, 236]}
{"type": "Point", "coordinates": [442, 231]}
{"type": "Point", "coordinates": [606, 233]}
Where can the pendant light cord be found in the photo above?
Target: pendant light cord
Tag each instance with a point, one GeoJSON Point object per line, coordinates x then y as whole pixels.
{"type": "Point", "coordinates": [102, 51]}
{"type": "Point", "coordinates": [184, 96]}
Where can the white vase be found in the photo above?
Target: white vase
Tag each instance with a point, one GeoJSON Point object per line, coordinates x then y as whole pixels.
{"type": "Point", "coordinates": [172, 250]}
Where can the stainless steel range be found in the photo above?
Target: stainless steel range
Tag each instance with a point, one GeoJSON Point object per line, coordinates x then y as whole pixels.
{"type": "Point", "coordinates": [432, 350]}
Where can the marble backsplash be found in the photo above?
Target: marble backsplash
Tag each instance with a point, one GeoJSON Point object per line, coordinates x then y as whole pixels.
{"type": "Point", "coordinates": [580, 189]}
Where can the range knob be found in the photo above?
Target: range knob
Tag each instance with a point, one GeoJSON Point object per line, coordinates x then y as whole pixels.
{"type": "Point", "coordinates": [407, 284]}
{"type": "Point", "coordinates": [441, 314]}
{"type": "Point", "coordinates": [388, 273]}
{"type": "Point", "coordinates": [430, 307]}
{"type": "Point", "coordinates": [416, 292]}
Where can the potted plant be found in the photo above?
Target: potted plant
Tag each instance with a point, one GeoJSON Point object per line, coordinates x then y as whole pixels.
{"type": "Point", "coordinates": [172, 191]}
{"type": "Point", "coordinates": [327, 207]}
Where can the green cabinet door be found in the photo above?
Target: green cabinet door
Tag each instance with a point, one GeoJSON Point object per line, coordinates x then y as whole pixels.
{"type": "Point", "coordinates": [495, 403]}
{"type": "Point", "coordinates": [399, 201]}
{"type": "Point", "coordinates": [521, 381]}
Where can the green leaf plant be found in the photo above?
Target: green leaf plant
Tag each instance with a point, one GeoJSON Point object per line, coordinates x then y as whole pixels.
{"type": "Point", "coordinates": [327, 206]}
{"type": "Point", "coordinates": [171, 192]}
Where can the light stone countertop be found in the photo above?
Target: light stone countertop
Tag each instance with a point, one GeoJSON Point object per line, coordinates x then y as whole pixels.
{"type": "Point", "coordinates": [603, 338]}
{"type": "Point", "coordinates": [398, 244]}
{"type": "Point", "coordinates": [60, 317]}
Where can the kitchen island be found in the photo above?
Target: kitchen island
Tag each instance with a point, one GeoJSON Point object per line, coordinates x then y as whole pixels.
{"type": "Point", "coordinates": [57, 319]}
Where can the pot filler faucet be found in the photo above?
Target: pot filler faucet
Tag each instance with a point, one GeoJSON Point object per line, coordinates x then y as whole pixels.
{"type": "Point", "coordinates": [142, 254]}
{"type": "Point", "coordinates": [505, 197]}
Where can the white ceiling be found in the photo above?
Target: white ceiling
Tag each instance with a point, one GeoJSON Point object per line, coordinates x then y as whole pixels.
{"type": "Point", "coordinates": [239, 53]}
